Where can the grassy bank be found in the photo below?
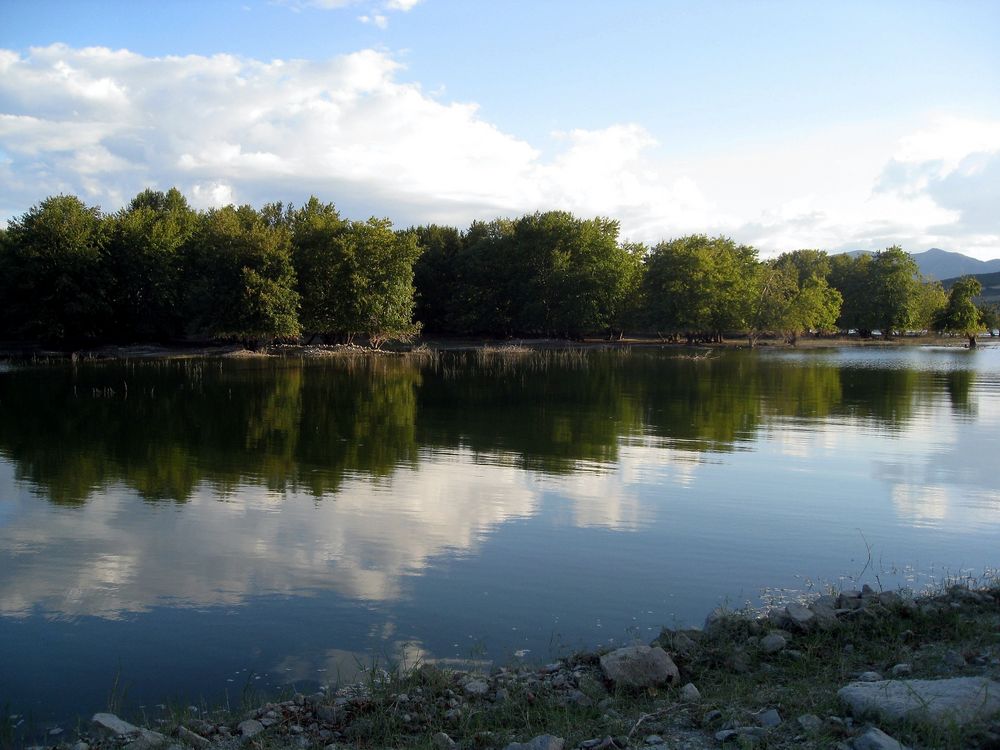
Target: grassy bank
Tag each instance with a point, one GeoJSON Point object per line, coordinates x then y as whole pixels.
{"type": "Point", "coordinates": [763, 680]}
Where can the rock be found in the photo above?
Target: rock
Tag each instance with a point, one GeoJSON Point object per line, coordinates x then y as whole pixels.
{"type": "Point", "coordinates": [690, 693]}
{"type": "Point", "coordinates": [654, 739]}
{"type": "Point", "coordinates": [137, 737]}
{"type": "Point", "coordinates": [889, 599]}
{"type": "Point", "coordinates": [772, 644]}
{"type": "Point", "coordinates": [683, 645]}
{"type": "Point", "coordinates": [249, 728]}
{"type": "Point", "coordinates": [826, 615]}
{"type": "Point", "coordinates": [744, 734]}
{"type": "Point", "coordinates": [713, 715]}
{"type": "Point", "coordinates": [769, 718]}
{"type": "Point", "coordinates": [959, 699]}
{"type": "Point", "coordinates": [869, 677]}
{"type": "Point", "coordinates": [810, 723]}
{"type": "Point", "coordinates": [195, 740]}
{"type": "Point", "coordinates": [799, 616]}
{"type": "Point", "coordinates": [476, 688]}
{"type": "Point", "coordinates": [639, 667]}
{"type": "Point", "coordinates": [80, 745]}
{"type": "Point", "coordinates": [443, 742]}
{"type": "Point", "coordinates": [331, 714]}
{"type": "Point", "coordinates": [901, 670]}
{"type": "Point", "coordinates": [876, 739]}
{"type": "Point", "coordinates": [579, 698]}
{"type": "Point", "coordinates": [954, 659]}
{"type": "Point", "coordinates": [542, 742]}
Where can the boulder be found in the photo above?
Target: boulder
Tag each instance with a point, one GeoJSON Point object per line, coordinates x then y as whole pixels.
{"type": "Point", "coordinates": [542, 742]}
{"type": "Point", "coordinates": [476, 688]}
{"type": "Point", "coordinates": [960, 699]}
{"type": "Point", "coordinates": [772, 644]}
{"type": "Point", "coordinates": [690, 693]}
{"type": "Point", "coordinates": [799, 616]}
{"type": "Point", "coordinates": [249, 728]}
{"type": "Point", "coordinates": [876, 739]}
{"type": "Point", "coordinates": [639, 667]}
{"type": "Point", "coordinates": [119, 729]}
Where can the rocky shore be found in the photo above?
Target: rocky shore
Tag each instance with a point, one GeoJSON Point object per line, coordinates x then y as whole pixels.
{"type": "Point", "coordinates": [858, 670]}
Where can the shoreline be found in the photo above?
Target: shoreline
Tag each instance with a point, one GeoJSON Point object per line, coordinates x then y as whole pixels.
{"type": "Point", "coordinates": [439, 345]}
{"type": "Point", "coordinates": [815, 675]}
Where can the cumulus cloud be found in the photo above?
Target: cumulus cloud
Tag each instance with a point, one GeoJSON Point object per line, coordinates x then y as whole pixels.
{"type": "Point", "coordinates": [107, 123]}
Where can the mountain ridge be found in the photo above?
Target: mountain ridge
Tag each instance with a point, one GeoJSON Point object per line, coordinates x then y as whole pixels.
{"type": "Point", "coordinates": [939, 264]}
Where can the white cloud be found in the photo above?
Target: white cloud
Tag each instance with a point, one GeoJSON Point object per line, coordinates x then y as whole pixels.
{"type": "Point", "coordinates": [108, 123]}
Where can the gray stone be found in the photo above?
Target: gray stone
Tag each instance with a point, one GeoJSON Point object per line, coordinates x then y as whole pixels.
{"type": "Point", "coordinates": [690, 693]}
{"type": "Point", "coordinates": [654, 739]}
{"type": "Point", "coordinates": [876, 739]}
{"type": "Point", "coordinates": [745, 734]}
{"type": "Point", "coordinates": [443, 742]}
{"type": "Point", "coordinates": [476, 688]}
{"type": "Point", "coordinates": [870, 677]}
{"type": "Point", "coordinates": [639, 667]}
{"type": "Point", "coordinates": [137, 737]}
{"type": "Point", "coordinates": [826, 616]}
{"type": "Point", "coordinates": [954, 659]}
{"type": "Point", "coordinates": [810, 722]}
{"type": "Point", "coordinates": [960, 699]}
{"type": "Point", "coordinates": [330, 714]}
{"type": "Point", "coordinates": [713, 715]}
{"type": "Point", "coordinates": [800, 616]}
{"type": "Point", "coordinates": [195, 740]}
{"type": "Point", "coordinates": [542, 742]}
{"type": "Point", "coordinates": [80, 745]}
{"type": "Point", "coordinates": [772, 644]}
{"type": "Point", "coordinates": [769, 718]}
{"type": "Point", "coordinates": [901, 670]}
{"type": "Point", "coordinates": [889, 599]}
{"type": "Point", "coordinates": [249, 728]}
{"type": "Point", "coordinates": [683, 645]}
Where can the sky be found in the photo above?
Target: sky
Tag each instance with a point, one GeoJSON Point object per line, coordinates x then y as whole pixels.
{"type": "Point", "coordinates": [783, 124]}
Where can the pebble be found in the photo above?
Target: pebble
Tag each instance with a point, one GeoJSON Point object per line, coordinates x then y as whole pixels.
{"type": "Point", "coordinates": [769, 718]}
{"type": "Point", "coordinates": [654, 739]}
{"type": "Point", "coordinates": [869, 677]}
{"type": "Point", "coordinates": [690, 693]}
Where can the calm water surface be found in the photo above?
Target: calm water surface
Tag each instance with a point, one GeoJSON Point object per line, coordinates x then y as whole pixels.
{"type": "Point", "coordinates": [201, 528]}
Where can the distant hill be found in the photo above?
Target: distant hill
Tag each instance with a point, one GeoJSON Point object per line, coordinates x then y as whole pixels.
{"type": "Point", "coordinates": [942, 264]}
{"type": "Point", "coordinates": [990, 282]}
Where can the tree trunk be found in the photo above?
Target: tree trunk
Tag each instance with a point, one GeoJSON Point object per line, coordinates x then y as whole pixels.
{"type": "Point", "coordinates": [972, 341]}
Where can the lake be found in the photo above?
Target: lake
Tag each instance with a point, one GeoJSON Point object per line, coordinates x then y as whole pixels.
{"type": "Point", "coordinates": [194, 531]}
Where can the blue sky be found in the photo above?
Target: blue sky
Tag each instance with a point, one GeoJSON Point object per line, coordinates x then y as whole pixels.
{"type": "Point", "coordinates": [784, 124]}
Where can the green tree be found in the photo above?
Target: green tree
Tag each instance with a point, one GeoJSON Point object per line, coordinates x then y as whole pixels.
{"type": "Point", "coordinates": [146, 262]}
{"type": "Point", "coordinates": [323, 267]}
{"type": "Point", "coordinates": [961, 316]}
{"type": "Point", "coordinates": [57, 283]}
{"type": "Point", "coordinates": [699, 286]}
{"type": "Point", "coordinates": [815, 305]}
{"type": "Point", "coordinates": [241, 282]}
{"type": "Point", "coordinates": [435, 276]}
{"type": "Point", "coordinates": [383, 275]}
{"type": "Point", "coordinates": [884, 290]}
{"type": "Point", "coordinates": [990, 314]}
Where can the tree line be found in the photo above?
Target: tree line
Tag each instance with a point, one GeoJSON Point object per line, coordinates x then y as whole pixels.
{"type": "Point", "coordinates": [158, 270]}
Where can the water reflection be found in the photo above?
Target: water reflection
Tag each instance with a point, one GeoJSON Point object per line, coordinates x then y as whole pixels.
{"type": "Point", "coordinates": [407, 506]}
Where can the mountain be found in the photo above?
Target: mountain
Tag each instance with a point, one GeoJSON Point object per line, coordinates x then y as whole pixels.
{"type": "Point", "coordinates": [990, 282]}
{"type": "Point", "coordinates": [941, 264]}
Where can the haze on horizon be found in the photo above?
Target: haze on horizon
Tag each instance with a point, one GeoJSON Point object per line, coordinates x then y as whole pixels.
{"type": "Point", "coordinates": [781, 124]}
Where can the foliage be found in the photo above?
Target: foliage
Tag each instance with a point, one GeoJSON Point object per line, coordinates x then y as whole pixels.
{"type": "Point", "coordinates": [354, 277]}
{"type": "Point", "coordinates": [961, 316]}
{"type": "Point", "coordinates": [882, 291]}
{"type": "Point", "coordinates": [241, 282]}
{"type": "Point", "coordinates": [145, 259]}
{"type": "Point", "coordinates": [56, 284]}
{"type": "Point", "coordinates": [700, 286]}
